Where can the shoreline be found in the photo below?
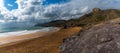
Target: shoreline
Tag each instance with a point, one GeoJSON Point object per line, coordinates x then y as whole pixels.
{"type": "Point", "coordinates": [44, 44]}
{"type": "Point", "coordinates": [24, 32]}
{"type": "Point", "coordinates": [10, 40]}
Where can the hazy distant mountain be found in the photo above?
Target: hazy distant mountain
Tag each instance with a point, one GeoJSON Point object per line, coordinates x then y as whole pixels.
{"type": "Point", "coordinates": [95, 17]}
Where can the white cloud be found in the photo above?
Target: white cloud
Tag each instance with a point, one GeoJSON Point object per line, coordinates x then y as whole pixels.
{"type": "Point", "coordinates": [10, 5]}
{"type": "Point", "coordinates": [32, 11]}
{"type": "Point", "coordinates": [2, 21]}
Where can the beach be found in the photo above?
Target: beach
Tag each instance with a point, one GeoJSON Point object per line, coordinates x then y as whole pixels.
{"type": "Point", "coordinates": [39, 42]}
{"type": "Point", "coordinates": [16, 37]}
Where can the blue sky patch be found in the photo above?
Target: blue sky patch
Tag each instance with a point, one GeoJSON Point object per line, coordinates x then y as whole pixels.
{"type": "Point", "coordinates": [10, 4]}
{"type": "Point", "coordinates": [48, 2]}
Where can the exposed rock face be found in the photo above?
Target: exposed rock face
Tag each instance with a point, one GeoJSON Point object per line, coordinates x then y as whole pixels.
{"type": "Point", "coordinates": [102, 38]}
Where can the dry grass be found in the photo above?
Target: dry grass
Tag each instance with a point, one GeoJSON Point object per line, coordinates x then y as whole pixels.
{"type": "Point", "coordinates": [45, 44]}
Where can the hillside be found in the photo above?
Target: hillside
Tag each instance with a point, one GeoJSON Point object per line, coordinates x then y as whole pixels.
{"type": "Point", "coordinates": [101, 38]}
{"type": "Point", "coordinates": [100, 35]}
{"type": "Point", "coordinates": [88, 20]}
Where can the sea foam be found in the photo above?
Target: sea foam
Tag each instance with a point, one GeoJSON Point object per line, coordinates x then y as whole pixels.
{"type": "Point", "coordinates": [24, 32]}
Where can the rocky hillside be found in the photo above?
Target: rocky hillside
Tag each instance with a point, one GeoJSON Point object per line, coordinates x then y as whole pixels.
{"type": "Point", "coordinates": [100, 34]}
{"type": "Point", "coordinates": [88, 20]}
{"type": "Point", "coordinates": [101, 38]}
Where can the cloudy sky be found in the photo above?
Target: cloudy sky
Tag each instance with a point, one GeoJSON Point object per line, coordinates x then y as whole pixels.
{"type": "Point", "coordinates": [30, 12]}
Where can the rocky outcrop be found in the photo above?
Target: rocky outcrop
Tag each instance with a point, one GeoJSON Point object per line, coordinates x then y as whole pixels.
{"type": "Point", "coordinates": [102, 38]}
{"type": "Point", "coordinates": [95, 10]}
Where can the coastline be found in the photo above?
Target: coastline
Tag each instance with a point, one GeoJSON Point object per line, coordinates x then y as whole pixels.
{"type": "Point", "coordinates": [10, 40]}
{"type": "Point", "coordinates": [44, 44]}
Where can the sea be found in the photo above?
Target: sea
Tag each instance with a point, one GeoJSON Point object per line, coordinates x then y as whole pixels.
{"type": "Point", "coordinates": [17, 31]}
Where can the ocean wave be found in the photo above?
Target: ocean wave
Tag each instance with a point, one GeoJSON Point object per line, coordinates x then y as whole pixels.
{"type": "Point", "coordinates": [24, 32]}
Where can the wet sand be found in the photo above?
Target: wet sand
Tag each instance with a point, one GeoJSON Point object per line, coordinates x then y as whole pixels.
{"type": "Point", "coordinates": [40, 42]}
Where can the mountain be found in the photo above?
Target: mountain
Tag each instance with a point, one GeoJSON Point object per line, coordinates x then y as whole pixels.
{"type": "Point", "coordinates": [86, 21]}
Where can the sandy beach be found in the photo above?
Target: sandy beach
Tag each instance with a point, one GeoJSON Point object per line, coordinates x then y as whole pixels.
{"type": "Point", "coordinates": [40, 42]}
{"type": "Point", "coordinates": [10, 40]}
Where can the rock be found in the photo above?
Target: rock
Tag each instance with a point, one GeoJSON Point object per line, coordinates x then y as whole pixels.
{"type": "Point", "coordinates": [65, 26]}
{"type": "Point", "coordinates": [96, 10]}
{"type": "Point", "coordinates": [103, 38]}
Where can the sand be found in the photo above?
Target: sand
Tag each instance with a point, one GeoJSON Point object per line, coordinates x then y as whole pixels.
{"type": "Point", "coordinates": [4, 41]}
{"type": "Point", "coordinates": [40, 44]}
